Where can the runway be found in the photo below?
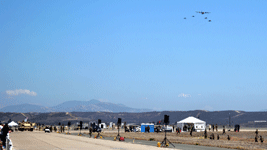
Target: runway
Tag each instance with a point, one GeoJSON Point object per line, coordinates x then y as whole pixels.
{"type": "Point", "coordinates": [53, 141]}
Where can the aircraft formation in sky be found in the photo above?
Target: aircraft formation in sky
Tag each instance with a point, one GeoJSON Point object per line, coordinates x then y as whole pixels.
{"type": "Point", "coordinates": [202, 13]}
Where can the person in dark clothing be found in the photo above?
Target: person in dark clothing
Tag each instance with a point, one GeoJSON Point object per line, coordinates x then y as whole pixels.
{"type": "Point", "coordinates": [218, 137]}
{"type": "Point", "coordinates": [223, 129]}
{"type": "Point", "coordinates": [213, 127]}
{"type": "Point", "coordinates": [63, 128]}
{"type": "Point", "coordinates": [4, 134]}
{"type": "Point", "coordinates": [205, 134]}
{"type": "Point", "coordinates": [55, 128]}
{"type": "Point", "coordinates": [228, 138]}
{"type": "Point", "coordinates": [261, 139]}
{"type": "Point", "coordinates": [90, 131]}
{"type": "Point", "coordinates": [185, 128]}
{"type": "Point", "coordinates": [178, 130]}
{"type": "Point", "coordinates": [212, 136]}
{"type": "Point", "coordinates": [191, 131]}
{"type": "Point", "coordinates": [256, 138]}
{"type": "Point", "coordinates": [216, 127]}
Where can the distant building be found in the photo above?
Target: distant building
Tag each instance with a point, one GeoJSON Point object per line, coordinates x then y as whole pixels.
{"type": "Point", "coordinates": [260, 121]}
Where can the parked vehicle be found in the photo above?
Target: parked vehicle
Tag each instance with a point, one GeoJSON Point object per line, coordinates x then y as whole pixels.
{"type": "Point", "coordinates": [138, 129]}
{"type": "Point", "coordinates": [47, 129]}
{"type": "Point", "coordinates": [26, 126]}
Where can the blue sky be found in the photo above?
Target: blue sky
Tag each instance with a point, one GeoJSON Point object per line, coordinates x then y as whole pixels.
{"type": "Point", "coordinates": [142, 54]}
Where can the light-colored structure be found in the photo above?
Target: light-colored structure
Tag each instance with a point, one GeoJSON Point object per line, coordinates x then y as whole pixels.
{"type": "Point", "coordinates": [103, 125]}
{"type": "Point", "coordinates": [198, 124]}
{"type": "Point", "coordinates": [12, 124]}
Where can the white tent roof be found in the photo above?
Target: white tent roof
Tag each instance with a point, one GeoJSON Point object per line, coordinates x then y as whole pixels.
{"type": "Point", "coordinates": [191, 120]}
{"type": "Point", "coordinates": [12, 123]}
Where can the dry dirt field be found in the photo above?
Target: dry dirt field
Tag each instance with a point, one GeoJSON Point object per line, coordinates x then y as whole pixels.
{"type": "Point", "coordinates": [239, 140]}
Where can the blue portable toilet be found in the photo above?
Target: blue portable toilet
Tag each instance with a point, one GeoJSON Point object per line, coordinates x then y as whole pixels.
{"type": "Point", "coordinates": [144, 125]}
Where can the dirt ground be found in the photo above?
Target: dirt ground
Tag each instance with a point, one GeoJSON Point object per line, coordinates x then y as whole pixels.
{"type": "Point", "coordinates": [238, 140]}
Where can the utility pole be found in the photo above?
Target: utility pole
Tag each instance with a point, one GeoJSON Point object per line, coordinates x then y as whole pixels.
{"type": "Point", "coordinates": [229, 121]}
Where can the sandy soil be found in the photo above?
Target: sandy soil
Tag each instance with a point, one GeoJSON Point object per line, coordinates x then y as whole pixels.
{"type": "Point", "coordinates": [239, 140]}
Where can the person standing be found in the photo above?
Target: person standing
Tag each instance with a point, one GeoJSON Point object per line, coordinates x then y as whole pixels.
{"type": "Point", "coordinates": [90, 131]}
{"type": "Point", "coordinates": [191, 131]}
{"type": "Point", "coordinates": [228, 137]}
{"type": "Point", "coordinates": [205, 134]}
{"type": "Point", "coordinates": [261, 139]}
{"type": "Point", "coordinates": [223, 129]}
{"type": "Point", "coordinates": [212, 136]}
{"type": "Point", "coordinates": [178, 130]}
{"type": "Point", "coordinates": [256, 137]}
{"type": "Point", "coordinates": [216, 128]}
{"type": "Point", "coordinates": [213, 127]}
{"type": "Point", "coordinates": [4, 134]}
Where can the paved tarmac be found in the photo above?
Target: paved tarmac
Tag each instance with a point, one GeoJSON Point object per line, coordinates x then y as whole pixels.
{"type": "Point", "coordinates": [54, 141]}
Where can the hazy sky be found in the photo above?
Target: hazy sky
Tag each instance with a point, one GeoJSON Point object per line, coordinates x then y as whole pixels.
{"type": "Point", "coordinates": [142, 54]}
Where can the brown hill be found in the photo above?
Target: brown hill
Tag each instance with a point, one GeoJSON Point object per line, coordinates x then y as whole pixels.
{"type": "Point", "coordinates": [213, 117]}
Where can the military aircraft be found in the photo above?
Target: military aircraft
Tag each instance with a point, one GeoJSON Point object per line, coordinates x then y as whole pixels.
{"type": "Point", "coordinates": [201, 12]}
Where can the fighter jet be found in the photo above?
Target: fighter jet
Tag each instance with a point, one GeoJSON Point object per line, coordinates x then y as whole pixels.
{"type": "Point", "coordinates": [201, 12]}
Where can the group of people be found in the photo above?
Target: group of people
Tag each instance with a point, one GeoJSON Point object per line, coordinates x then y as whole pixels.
{"type": "Point", "coordinates": [4, 136]}
{"type": "Point", "coordinates": [256, 137]}
{"type": "Point", "coordinates": [213, 127]}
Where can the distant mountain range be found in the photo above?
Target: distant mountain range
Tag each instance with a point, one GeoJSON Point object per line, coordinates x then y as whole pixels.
{"type": "Point", "coordinates": [73, 106]}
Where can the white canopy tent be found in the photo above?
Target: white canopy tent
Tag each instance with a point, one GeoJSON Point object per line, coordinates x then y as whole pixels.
{"type": "Point", "coordinates": [199, 125]}
{"type": "Point", "coordinates": [12, 124]}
